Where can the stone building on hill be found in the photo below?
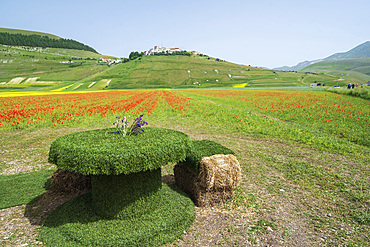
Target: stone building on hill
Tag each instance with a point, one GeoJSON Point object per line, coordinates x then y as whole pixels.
{"type": "Point", "coordinates": [158, 49]}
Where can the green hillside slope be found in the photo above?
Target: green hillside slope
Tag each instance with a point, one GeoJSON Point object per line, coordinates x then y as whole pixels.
{"type": "Point", "coordinates": [57, 69]}
{"type": "Point", "coordinates": [30, 68]}
{"type": "Point", "coordinates": [37, 40]}
{"type": "Point", "coordinates": [25, 32]}
{"type": "Point", "coordinates": [33, 66]}
{"type": "Point", "coordinates": [360, 51]}
{"type": "Point", "coordinates": [352, 70]}
{"type": "Point", "coordinates": [198, 72]}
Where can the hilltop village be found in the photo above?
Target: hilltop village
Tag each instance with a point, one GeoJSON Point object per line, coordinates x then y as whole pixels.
{"type": "Point", "coordinates": [158, 49]}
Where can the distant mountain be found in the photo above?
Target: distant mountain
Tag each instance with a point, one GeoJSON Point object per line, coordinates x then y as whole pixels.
{"type": "Point", "coordinates": [297, 67]}
{"type": "Point", "coordinates": [360, 51]}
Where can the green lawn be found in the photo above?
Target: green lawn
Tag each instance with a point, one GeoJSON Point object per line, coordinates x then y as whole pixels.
{"type": "Point", "coordinates": [23, 188]}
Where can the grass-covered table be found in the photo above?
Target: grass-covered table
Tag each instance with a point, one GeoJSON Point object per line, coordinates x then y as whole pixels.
{"type": "Point", "coordinates": [126, 187]}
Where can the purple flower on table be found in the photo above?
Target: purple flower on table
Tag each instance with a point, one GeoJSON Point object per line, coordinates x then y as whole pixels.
{"type": "Point", "coordinates": [123, 127]}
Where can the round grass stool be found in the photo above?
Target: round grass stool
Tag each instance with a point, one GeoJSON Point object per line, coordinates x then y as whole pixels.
{"type": "Point", "coordinates": [126, 186]}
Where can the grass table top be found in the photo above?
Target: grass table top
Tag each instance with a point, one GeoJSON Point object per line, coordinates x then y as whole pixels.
{"type": "Point", "coordinates": [97, 153]}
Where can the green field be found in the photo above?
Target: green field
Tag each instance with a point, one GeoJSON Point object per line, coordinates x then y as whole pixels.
{"type": "Point", "coordinates": [304, 157]}
{"type": "Point", "coordinates": [352, 70]}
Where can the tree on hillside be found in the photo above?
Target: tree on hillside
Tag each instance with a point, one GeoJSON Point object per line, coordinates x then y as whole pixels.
{"type": "Point", "coordinates": [135, 54]}
{"type": "Point", "coordinates": [41, 41]}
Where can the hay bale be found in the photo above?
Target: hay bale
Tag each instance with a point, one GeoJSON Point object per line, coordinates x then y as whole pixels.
{"type": "Point", "coordinates": [219, 171]}
{"type": "Point", "coordinates": [211, 197]}
{"type": "Point", "coordinates": [70, 182]}
{"type": "Point", "coordinates": [218, 177]}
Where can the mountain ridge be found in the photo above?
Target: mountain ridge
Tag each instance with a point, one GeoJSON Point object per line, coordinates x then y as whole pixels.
{"type": "Point", "coordinates": [359, 51]}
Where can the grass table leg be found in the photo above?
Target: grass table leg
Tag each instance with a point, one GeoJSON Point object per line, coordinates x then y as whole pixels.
{"type": "Point", "coordinates": [126, 196]}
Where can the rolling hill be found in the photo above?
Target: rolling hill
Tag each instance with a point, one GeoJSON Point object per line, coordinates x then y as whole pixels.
{"type": "Point", "coordinates": [197, 72]}
{"type": "Point", "coordinates": [32, 68]}
{"type": "Point", "coordinates": [46, 65]}
{"type": "Point", "coordinates": [23, 38]}
{"type": "Point", "coordinates": [36, 68]}
{"type": "Point", "coordinates": [25, 32]}
{"type": "Point", "coordinates": [350, 70]}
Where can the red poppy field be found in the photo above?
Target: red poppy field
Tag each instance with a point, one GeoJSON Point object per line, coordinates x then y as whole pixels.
{"type": "Point", "coordinates": [322, 119]}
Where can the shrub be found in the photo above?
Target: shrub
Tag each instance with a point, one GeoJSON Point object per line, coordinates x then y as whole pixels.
{"type": "Point", "coordinates": [363, 92]}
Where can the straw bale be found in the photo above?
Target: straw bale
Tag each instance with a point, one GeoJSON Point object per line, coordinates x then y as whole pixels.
{"type": "Point", "coordinates": [70, 182]}
{"type": "Point", "coordinates": [210, 197]}
{"type": "Point", "coordinates": [219, 171]}
{"type": "Point", "coordinates": [218, 176]}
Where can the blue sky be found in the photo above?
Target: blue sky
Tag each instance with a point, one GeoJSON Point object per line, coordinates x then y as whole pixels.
{"type": "Point", "coordinates": [260, 33]}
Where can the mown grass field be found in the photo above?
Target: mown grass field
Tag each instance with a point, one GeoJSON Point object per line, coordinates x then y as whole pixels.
{"type": "Point", "coordinates": [304, 156]}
